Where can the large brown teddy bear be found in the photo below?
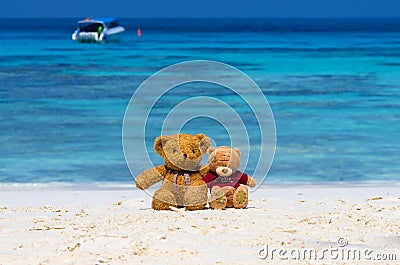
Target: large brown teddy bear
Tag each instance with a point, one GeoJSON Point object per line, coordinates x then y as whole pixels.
{"type": "Point", "coordinates": [182, 174]}
{"type": "Point", "coordinates": [225, 181]}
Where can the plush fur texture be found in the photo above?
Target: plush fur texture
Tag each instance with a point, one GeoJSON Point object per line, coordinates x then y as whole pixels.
{"type": "Point", "coordinates": [181, 174]}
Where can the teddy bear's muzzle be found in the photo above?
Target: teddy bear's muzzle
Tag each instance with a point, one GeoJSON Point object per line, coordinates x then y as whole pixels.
{"type": "Point", "coordinates": [224, 171]}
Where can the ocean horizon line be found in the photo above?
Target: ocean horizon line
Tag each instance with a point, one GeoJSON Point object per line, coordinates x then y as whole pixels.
{"type": "Point", "coordinates": [14, 186]}
{"type": "Point", "coordinates": [204, 17]}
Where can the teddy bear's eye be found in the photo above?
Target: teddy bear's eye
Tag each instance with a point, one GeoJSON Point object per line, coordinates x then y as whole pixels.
{"type": "Point", "coordinates": [192, 151]}
{"type": "Point", "coordinates": [174, 151]}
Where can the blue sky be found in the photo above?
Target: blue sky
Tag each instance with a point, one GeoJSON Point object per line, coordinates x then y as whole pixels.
{"type": "Point", "coordinates": [200, 8]}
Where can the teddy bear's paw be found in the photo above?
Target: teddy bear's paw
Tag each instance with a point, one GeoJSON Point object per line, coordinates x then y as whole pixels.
{"type": "Point", "coordinates": [229, 191]}
{"type": "Point", "coordinates": [218, 198]}
{"type": "Point", "coordinates": [241, 197]}
{"type": "Point", "coordinates": [163, 199]}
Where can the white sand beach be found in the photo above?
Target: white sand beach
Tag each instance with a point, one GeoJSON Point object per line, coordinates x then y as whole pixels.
{"type": "Point", "coordinates": [71, 226]}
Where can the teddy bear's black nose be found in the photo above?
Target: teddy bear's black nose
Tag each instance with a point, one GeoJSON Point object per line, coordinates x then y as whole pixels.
{"type": "Point", "coordinates": [185, 155]}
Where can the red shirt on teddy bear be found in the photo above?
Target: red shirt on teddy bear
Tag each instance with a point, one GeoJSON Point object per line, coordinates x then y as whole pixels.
{"type": "Point", "coordinates": [212, 179]}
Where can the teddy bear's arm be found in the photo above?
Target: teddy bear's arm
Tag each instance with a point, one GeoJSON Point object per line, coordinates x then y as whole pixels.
{"type": "Point", "coordinates": [251, 182]}
{"type": "Point", "coordinates": [150, 177]}
{"type": "Point", "coordinates": [204, 170]}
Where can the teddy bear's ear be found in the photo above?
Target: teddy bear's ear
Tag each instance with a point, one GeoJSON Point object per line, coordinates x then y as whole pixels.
{"type": "Point", "coordinates": [201, 136]}
{"type": "Point", "coordinates": [159, 143]}
{"type": "Point", "coordinates": [210, 150]}
{"type": "Point", "coordinates": [204, 142]}
{"type": "Point", "coordinates": [237, 151]}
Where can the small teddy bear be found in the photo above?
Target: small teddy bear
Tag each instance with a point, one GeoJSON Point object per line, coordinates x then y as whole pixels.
{"type": "Point", "coordinates": [224, 180]}
{"type": "Point", "coordinates": [182, 174]}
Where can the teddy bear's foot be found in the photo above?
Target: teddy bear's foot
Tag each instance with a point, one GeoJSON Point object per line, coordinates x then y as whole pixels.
{"type": "Point", "coordinates": [229, 191]}
{"type": "Point", "coordinates": [241, 197]}
{"type": "Point", "coordinates": [163, 199]}
{"type": "Point", "coordinates": [195, 197]}
{"type": "Point", "coordinates": [217, 198]}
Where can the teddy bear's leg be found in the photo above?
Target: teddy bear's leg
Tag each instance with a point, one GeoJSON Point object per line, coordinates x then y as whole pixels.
{"type": "Point", "coordinates": [195, 197]}
{"type": "Point", "coordinates": [229, 191]}
{"type": "Point", "coordinates": [163, 199]}
{"type": "Point", "coordinates": [217, 198]}
{"type": "Point", "coordinates": [241, 197]}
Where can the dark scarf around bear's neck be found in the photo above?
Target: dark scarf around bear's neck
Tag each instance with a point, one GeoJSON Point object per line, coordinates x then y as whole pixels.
{"type": "Point", "coordinates": [185, 173]}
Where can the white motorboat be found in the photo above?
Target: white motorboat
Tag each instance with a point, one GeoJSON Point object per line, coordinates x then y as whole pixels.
{"type": "Point", "coordinates": [97, 30]}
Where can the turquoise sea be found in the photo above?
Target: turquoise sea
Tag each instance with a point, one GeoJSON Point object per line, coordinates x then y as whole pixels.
{"type": "Point", "coordinates": [332, 84]}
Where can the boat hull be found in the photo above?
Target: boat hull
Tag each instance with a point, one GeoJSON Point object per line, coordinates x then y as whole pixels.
{"type": "Point", "coordinates": [107, 35]}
